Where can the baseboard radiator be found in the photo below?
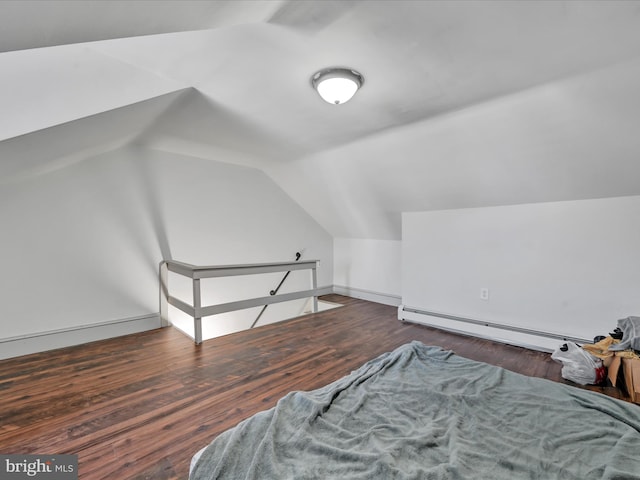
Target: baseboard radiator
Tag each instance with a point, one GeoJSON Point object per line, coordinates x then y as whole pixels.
{"type": "Point", "coordinates": [510, 334]}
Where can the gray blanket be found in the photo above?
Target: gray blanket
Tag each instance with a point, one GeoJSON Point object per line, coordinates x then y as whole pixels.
{"type": "Point", "coordinates": [630, 327]}
{"type": "Point", "coordinates": [420, 412]}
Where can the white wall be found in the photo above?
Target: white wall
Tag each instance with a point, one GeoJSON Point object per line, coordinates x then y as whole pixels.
{"type": "Point", "coordinates": [564, 267]}
{"type": "Point", "coordinates": [81, 245]}
{"type": "Point", "coordinates": [369, 269]}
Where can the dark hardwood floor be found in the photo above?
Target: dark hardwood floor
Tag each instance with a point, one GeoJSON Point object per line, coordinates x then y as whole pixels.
{"type": "Point", "coordinates": [140, 406]}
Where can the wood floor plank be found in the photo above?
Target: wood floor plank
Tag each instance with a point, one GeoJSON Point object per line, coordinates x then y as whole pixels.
{"type": "Point", "coordinates": [138, 407]}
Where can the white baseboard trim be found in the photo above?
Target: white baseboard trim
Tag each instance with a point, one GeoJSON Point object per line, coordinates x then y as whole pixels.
{"type": "Point", "coordinates": [67, 337]}
{"type": "Point", "coordinates": [509, 334]}
{"type": "Point", "coordinates": [377, 297]}
{"type": "Point", "coordinates": [326, 290]}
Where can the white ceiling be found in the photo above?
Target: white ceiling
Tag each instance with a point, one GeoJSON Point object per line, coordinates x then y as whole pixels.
{"type": "Point", "coordinates": [465, 103]}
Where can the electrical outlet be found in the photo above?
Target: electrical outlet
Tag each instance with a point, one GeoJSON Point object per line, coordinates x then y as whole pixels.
{"type": "Point", "coordinates": [484, 294]}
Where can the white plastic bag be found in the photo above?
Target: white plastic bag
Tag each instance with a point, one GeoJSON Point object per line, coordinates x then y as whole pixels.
{"type": "Point", "coordinates": [578, 365]}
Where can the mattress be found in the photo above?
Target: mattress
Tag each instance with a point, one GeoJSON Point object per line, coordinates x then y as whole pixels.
{"type": "Point", "coordinates": [421, 412]}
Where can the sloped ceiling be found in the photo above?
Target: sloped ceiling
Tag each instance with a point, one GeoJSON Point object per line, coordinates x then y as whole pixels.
{"type": "Point", "coordinates": [465, 103]}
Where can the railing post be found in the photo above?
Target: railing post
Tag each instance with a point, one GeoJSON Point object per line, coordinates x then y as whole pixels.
{"type": "Point", "coordinates": [164, 294]}
{"type": "Point", "coordinates": [197, 317]}
{"type": "Point", "coordinates": [314, 286]}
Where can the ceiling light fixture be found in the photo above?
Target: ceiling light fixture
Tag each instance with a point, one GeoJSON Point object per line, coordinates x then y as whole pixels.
{"type": "Point", "coordinates": [337, 85]}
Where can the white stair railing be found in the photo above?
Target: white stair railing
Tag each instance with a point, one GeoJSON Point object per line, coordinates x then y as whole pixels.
{"type": "Point", "coordinates": [196, 273]}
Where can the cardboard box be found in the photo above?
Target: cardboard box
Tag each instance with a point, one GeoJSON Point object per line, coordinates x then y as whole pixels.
{"type": "Point", "coordinates": [630, 373]}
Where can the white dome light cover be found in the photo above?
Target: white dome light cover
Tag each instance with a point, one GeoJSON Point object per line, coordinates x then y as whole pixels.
{"type": "Point", "coordinates": [337, 85]}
